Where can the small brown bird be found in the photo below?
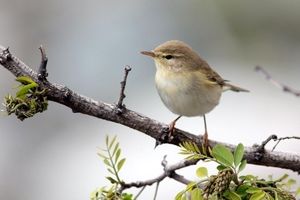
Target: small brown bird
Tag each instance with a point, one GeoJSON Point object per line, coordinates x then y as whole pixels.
{"type": "Point", "coordinates": [185, 83]}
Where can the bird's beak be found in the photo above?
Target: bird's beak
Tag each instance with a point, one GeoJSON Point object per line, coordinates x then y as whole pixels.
{"type": "Point", "coordinates": [148, 53]}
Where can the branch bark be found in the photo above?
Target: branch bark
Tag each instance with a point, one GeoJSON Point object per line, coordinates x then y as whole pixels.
{"type": "Point", "coordinates": [85, 105]}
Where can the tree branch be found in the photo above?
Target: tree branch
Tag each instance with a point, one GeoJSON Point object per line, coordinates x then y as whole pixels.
{"type": "Point", "coordinates": [79, 103]}
{"type": "Point", "coordinates": [281, 86]}
{"type": "Point", "coordinates": [169, 171]}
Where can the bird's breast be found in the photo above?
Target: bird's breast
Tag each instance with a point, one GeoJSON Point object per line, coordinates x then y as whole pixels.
{"type": "Point", "coordinates": [187, 93]}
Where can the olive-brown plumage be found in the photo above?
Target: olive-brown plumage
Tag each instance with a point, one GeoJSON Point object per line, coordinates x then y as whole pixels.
{"type": "Point", "coordinates": [185, 82]}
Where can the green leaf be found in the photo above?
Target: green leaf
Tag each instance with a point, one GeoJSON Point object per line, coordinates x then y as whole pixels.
{"type": "Point", "coordinates": [258, 195]}
{"type": "Point", "coordinates": [248, 178]}
{"type": "Point", "coordinates": [126, 196]}
{"type": "Point", "coordinates": [120, 164]}
{"type": "Point", "coordinates": [112, 142]}
{"type": "Point", "coordinates": [106, 162]}
{"type": "Point", "coordinates": [242, 166]}
{"type": "Point", "coordinates": [253, 190]}
{"type": "Point", "coordinates": [232, 195]}
{"type": "Point", "coordinates": [283, 177]}
{"type": "Point", "coordinates": [196, 194]}
{"type": "Point", "coordinates": [117, 155]}
{"type": "Point", "coordinates": [221, 167]}
{"type": "Point", "coordinates": [115, 149]}
{"type": "Point", "coordinates": [202, 172]}
{"type": "Point", "coordinates": [180, 196]}
{"type": "Point", "coordinates": [291, 182]}
{"type": "Point", "coordinates": [101, 155]}
{"type": "Point", "coordinates": [112, 180]}
{"type": "Point", "coordinates": [298, 191]}
{"type": "Point", "coordinates": [106, 140]}
{"type": "Point", "coordinates": [238, 154]}
{"type": "Point", "coordinates": [241, 190]}
{"type": "Point", "coordinates": [25, 80]}
{"type": "Point", "coordinates": [222, 155]}
{"type": "Point", "coordinates": [269, 197]}
{"type": "Point", "coordinates": [25, 89]}
{"type": "Point", "coordinates": [190, 186]}
{"type": "Point", "coordinates": [110, 171]}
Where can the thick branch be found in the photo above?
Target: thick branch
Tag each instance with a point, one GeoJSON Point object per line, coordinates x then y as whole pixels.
{"type": "Point", "coordinates": [132, 119]}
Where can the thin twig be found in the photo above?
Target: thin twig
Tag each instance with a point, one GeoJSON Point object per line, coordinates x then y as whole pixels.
{"type": "Point", "coordinates": [140, 192]}
{"type": "Point", "coordinates": [179, 178]}
{"type": "Point", "coordinates": [156, 190]}
{"type": "Point", "coordinates": [261, 148]}
{"type": "Point", "coordinates": [42, 71]}
{"type": "Point", "coordinates": [284, 138]}
{"type": "Point", "coordinates": [281, 86]}
{"type": "Point", "coordinates": [122, 96]}
{"type": "Point", "coordinates": [167, 172]}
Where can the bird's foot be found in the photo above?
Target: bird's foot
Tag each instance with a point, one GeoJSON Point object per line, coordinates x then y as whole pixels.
{"type": "Point", "coordinates": [205, 144]}
{"type": "Point", "coordinates": [165, 136]}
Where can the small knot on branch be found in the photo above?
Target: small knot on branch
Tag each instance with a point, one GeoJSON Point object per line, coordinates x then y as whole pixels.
{"type": "Point", "coordinates": [260, 149]}
{"type": "Point", "coordinates": [5, 55]}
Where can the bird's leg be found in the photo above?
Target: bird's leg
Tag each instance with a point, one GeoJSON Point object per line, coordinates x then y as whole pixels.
{"type": "Point", "coordinates": [205, 136]}
{"type": "Point", "coordinates": [172, 126]}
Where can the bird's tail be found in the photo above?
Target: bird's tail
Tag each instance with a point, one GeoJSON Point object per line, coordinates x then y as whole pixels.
{"type": "Point", "coordinates": [234, 88]}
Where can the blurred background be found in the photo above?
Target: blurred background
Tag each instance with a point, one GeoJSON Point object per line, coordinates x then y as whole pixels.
{"type": "Point", "coordinates": [53, 154]}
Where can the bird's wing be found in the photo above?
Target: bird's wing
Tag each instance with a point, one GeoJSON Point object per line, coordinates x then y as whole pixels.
{"type": "Point", "coordinates": [211, 75]}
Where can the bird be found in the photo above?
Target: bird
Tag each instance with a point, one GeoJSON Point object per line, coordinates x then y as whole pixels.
{"type": "Point", "coordinates": [185, 82]}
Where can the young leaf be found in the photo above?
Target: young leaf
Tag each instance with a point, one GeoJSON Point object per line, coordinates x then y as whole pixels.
{"type": "Point", "coordinates": [223, 155]}
{"type": "Point", "coordinates": [221, 167]}
{"type": "Point", "coordinates": [111, 171]}
{"type": "Point", "coordinates": [117, 155]}
{"type": "Point", "coordinates": [232, 195]}
{"type": "Point", "coordinates": [112, 142]}
{"type": "Point", "coordinates": [238, 154]}
{"type": "Point", "coordinates": [180, 195]}
{"type": "Point", "coordinates": [106, 140]}
{"type": "Point", "coordinates": [25, 89]}
{"type": "Point", "coordinates": [202, 172]}
{"type": "Point", "coordinates": [25, 80]}
{"type": "Point", "coordinates": [242, 166]}
{"type": "Point", "coordinates": [101, 155]}
{"type": "Point", "coordinates": [107, 162]}
{"type": "Point", "coordinates": [196, 194]}
{"type": "Point", "coordinates": [269, 197]}
{"type": "Point", "coordinates": [298, 191]}
{"type": "Point", "coordinates": [112, 180]}
{"type": "Point", "coordinates": [258, 195]}
{"type": "Point", "coordinates": [120, 164]}
{"type": "Point", "coordinates": [253, 190]}
{"type": "Point", "coordinates": [115, 149]}
{"type": "Point", "coordinates": [126, 196]}
{"type": "Point", "coordinates": [291, 182]}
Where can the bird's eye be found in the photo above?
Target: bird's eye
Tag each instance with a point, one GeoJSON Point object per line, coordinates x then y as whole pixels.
{"type": "Point", "coordinates": [168, 57]}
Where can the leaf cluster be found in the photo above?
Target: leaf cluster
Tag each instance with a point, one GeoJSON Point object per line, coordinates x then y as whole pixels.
{"type": "Point", "coordinates": [111, 156]}
{"type": "Point", "coordinates": [227, 184]}
{"type": "Point", "coordinates": [29, 99]}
